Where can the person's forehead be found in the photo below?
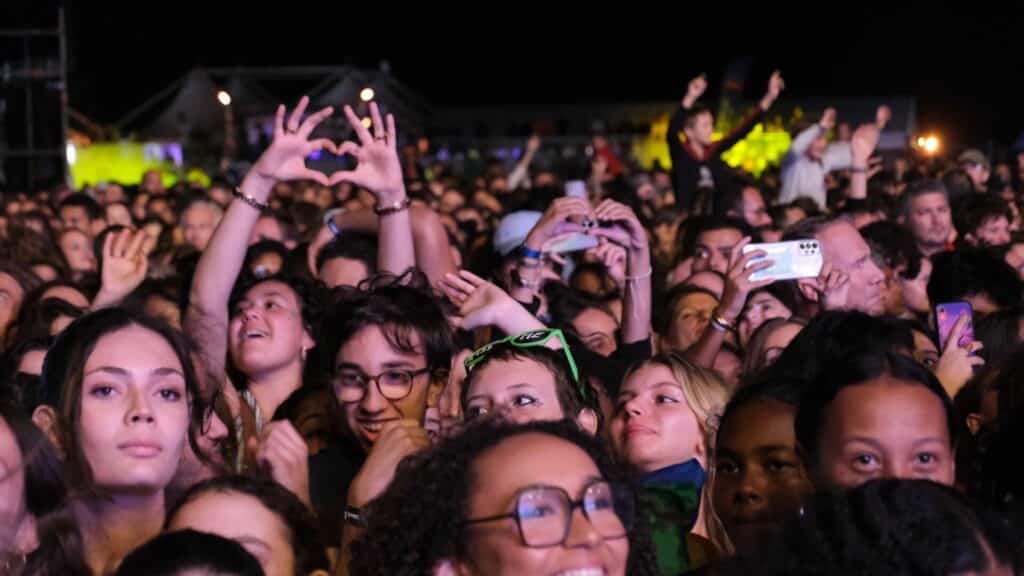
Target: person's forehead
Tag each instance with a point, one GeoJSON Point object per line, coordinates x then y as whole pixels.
{"type": "Point", "coordinates": [595, 315]}
{"type": "Point", "coordinates": [923, 342]}
{"type": "Point", "coordinates": [697, 300]}
{"type": "Point", "coordinates": [654, 375]}
{"type": "Point", "coordinates": [509, 374]}
{"type": "Point", "coordinates": [996, 220]}
{"type": "Point", "coordinates": [762, 298]}
{"type": "Point", "coordinates": [73, 235]}
{"type": "Point", "coordinates": [931, 200]}
{"type": "Point", "coordinates": [370, 345]}
{"type": "Point", "coordinates": [528, 459]}
{"type": "Point", "coordinates": [151, 350]}
{"type": "Point", "coordinates": [344, 263]}
{"type": "Point", "coordinates": [270, 289]}
{"type": "Point", "coordinates": [890, 403]}
{"type": "Point", "coordinates": [845, 237]}
{"type": "Point", "coordinates": [232, 515]}
{"type": "Point", "coordinates": [200, 210]}
{"type": "Point", "coordinates": [721, 237]}
{"type": "Point", "coordinates": [271, 221]}
{"type": "Point", "coordinates": [761, 422]}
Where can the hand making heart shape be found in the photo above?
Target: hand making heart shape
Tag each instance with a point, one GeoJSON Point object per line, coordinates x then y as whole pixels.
{"type": "Point", "coordinates": [378, 166]}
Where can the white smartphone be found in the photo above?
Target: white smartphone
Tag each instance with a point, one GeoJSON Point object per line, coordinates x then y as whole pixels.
{"type": "Point", "coordinates": [790, 260]}
{"type": "Point", "coordinates": [576, 189]}
{"type": "Point", "coordinates": [575, 243]}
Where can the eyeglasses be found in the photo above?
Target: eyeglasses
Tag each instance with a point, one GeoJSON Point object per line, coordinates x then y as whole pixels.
{"type": "Point", "coordinates": [544, 513]}
{"type": "Point", "coordinates": [351, 385]}
{"type": "Point", "coordinates": [529, 339]}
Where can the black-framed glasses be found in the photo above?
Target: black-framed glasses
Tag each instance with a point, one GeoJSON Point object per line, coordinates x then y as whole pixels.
{"type": "Point", "coordinates": [350, 385]}
{"type": "Point", "coordinates": [543, 513]}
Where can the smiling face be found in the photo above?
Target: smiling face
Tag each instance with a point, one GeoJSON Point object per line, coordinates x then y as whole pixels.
{"type": "Point", "coordinates": [369, 353]}
{"type": "Point", "coordinates": [497, 476]}
{"type": "Point", "coordinates": [267, 331]}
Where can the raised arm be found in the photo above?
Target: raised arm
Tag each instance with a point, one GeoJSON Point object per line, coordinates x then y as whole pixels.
{"type": "Point", "coordinates": [804, 139]}
{"type": "Point", "coordinates": [863, 144]}
{"type": "Point", "coordinates": [379, 170]}
{"type": "Point", "coordinates": [430, 240]}
{"type": "Point", "coordinates": [738, 285]}
{"type": "Point", "coordinates": [521, 173]}
{"type": "Point", "coordinates": [694, 91]}
{"type": "Point", "coordinates": [631, 235]}
{"type": "Point", "coordinates": [206, 319]}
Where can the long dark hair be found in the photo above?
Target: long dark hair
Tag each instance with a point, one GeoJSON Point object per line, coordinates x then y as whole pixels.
{"type": "Point", "coordinates": [61, 386]}
{"type": "Point", "coordinates": [417, 522]}
{"type": "Point", "coordinates": [857, 371]}
{"type": "Point", "coordinates": [60, 545]}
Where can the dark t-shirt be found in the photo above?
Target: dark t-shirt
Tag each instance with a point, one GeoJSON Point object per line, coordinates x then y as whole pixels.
{"type": "Point", "coordinates": [330, 473]}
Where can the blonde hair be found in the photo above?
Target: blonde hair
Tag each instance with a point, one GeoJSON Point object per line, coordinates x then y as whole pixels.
{"type": "Point", "coordinates": [707, 395]}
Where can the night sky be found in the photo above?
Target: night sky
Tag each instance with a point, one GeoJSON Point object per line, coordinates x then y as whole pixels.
{"type": "Point", "coordinates": [963, 61]}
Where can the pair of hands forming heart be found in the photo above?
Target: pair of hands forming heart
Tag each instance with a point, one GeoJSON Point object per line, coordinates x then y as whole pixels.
{"type": "Point", "coordinates": [378, 170]}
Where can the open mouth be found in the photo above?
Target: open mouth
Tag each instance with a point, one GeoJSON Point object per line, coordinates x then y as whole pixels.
{"type": "Point", "coordinates": [253, 334]}
{"type": "Point", "coordinates": [582, 572]}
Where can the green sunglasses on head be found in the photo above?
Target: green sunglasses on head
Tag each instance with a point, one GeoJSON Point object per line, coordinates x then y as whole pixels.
{"type": "Point", "coordinates": [529, 339]}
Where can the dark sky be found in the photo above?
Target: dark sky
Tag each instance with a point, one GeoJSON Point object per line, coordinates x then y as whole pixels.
{"type": "Point", "coordinates": [962, 61]}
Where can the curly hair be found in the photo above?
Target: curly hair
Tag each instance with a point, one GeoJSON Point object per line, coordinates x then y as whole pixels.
{"type": "Point", "coordinates": [401, 306]}
{"type": "Point", "coordinates": [887, 526]}
{"type": "Point", "coordinates": [418, 521]}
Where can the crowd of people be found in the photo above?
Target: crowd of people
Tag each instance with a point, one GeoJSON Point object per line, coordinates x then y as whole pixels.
{"type": "Point", "coordinates": [401, 368]}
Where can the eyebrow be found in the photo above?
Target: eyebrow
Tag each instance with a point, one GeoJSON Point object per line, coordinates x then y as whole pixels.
{"type": "Point", "coordinates": [773, 448]}
{"type": "Point", "coordinates": [862, 439]}
{"type": "Point", "coordinates": [657, 386]}
{"type": "Point", "coordinates": [118, 371]}
{"type": "Point", "coordinates": [929, 440]}
{"type": "Point", "coordinates": [385, 365]}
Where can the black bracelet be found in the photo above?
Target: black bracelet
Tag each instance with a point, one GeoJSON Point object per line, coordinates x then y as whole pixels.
{"type": "Point", "coordinates": [858, 170]}
{"type": "Point", "coordinates": [354, 517]}
{"type": "Point", "coordinates": [261, 206]}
